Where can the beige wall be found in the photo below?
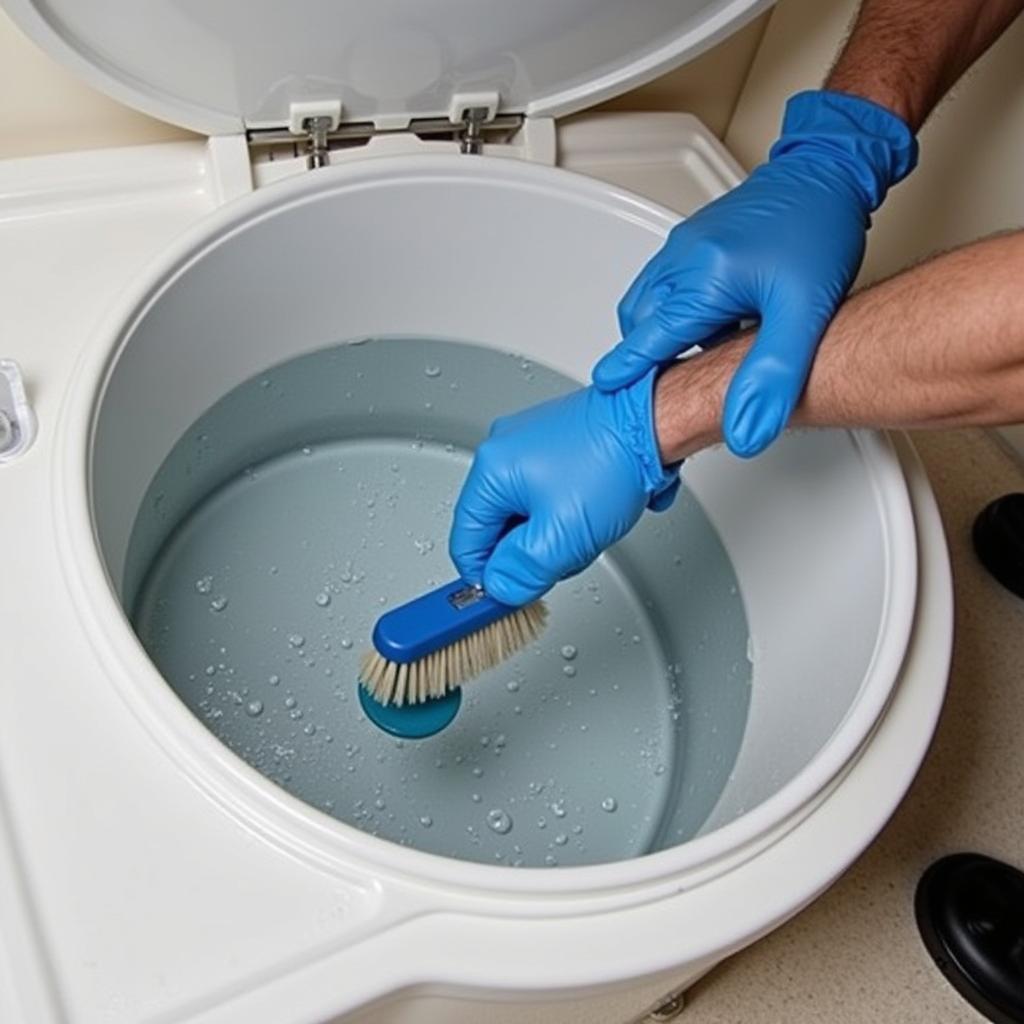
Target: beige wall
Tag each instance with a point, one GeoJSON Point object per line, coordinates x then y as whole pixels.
{"type": "Point", "coordinates": [45, 109]}
{"type": "Point", "coordinates": [709, 86]}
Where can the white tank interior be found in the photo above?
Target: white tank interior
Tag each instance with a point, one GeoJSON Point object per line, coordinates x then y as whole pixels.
{"type": "Point", "coordinates": [528, 260]}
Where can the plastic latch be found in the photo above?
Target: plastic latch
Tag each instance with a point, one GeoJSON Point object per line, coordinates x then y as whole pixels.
{"type": "Point", "coordinates": [301, 114]}
{"type": "Point", "coordinates": [17, 421]}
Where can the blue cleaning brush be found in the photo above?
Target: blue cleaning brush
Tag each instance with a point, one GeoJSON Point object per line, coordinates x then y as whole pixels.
{"type": "Point", "coordinates": [426, 649]}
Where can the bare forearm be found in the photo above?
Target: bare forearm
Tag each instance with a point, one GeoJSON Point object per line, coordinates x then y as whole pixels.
{"type": "Point", "coordinates": [905, 54]}
{"type": "Point", "coordinates": [939, 345]}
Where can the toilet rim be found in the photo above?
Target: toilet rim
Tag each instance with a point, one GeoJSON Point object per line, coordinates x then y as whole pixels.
{"type": "Point", "coordinates": [256, 802]}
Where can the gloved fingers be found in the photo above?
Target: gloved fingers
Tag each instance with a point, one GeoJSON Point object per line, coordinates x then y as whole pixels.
{"type": "Point", "coordinates": [652, 285]}
{"type": "Point", "coordinates": [528, 561]}
{"type": "Point", "coordinates": [624, 310]}
{"type": "Point", "coordinates": [480, 520]}
{"type": "Point", "coordinates": [673, 327]}
{"type": "Point", "coordinates": [769, 382]}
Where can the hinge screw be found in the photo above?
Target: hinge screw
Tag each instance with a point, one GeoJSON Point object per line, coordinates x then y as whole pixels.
{"type": "Point", "coordinates": [317, 127]}
{"type": "Point", "coordinates": [473, 120]}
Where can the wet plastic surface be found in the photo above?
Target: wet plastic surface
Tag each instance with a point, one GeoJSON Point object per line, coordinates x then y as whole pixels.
{"type": "Point", "coordinates": [311, 499]}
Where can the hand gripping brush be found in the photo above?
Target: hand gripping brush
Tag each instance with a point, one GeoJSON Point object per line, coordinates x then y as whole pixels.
{"type": "Point", "coordinates": [425, 650]}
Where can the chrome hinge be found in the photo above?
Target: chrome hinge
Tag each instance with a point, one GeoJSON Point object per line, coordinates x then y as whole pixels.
{"type": "Point", "coordinates": [472, 111]}
{"type": "Point", "coordinates": [316, 128]}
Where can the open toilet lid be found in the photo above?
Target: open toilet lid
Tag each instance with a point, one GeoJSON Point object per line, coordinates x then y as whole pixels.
{"type": "Point", "coordinates": [219, 66]}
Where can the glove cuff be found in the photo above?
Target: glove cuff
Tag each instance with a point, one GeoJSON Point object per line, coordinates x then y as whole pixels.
{"type": "Point", "coordinates": [639, 435]}
{"type": "Point", "coordinates": [875, 145]}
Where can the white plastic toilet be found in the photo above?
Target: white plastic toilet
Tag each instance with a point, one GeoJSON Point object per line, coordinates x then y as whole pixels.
{"type": "Point", "coordinates": [149, 874]}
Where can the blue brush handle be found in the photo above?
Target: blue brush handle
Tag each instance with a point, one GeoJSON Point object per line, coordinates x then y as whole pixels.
{"type": "Point", "coordinates": [435, 620]}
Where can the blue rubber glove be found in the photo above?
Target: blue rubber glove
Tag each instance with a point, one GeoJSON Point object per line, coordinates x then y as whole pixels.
{"type": "Point", "coordinates": [784, 246]}
{"type": "Point", "coordinates": [555, 485]}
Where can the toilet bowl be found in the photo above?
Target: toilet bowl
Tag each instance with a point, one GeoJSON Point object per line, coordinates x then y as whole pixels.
{"type": "Point", "coordinates": [819, 532]}
{"type": "Point", "coordinates": [791, 614]}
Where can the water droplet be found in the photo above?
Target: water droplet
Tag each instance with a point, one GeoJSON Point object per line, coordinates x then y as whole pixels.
{"type": "Point", "coordinates": [296, 640]}
{"type": "Point", "coordinates": [290, 702]}
{"type": "Point", "coordinates": [569, 670]}
{"type": "Point", "coordinates": [307, 450]}
{"type": "Point", "coordinates": [512, 686]}
{"type": "Point", "coordinates": [551, 860]}
{"type": "Point", "coordinates": [609, 804]}
{"type": "Point", "coordinates": [558, 808]}
{"type": "Point", "coordinates": [433, 371]}
{"type": "Point", "coordinates": [636, 639]}
{"type": "Point", "coordinates": [569, 652]}
{"type": "Point", "coordinates": [478, 773]}
{"type": "Point", "coordinates": [204, 584]}
{"type": "Point", "coordinates": [379, 803]}
{"type": "Point", "coordinates": [426, 820]}
{"type": "Point", "coordinates": [499, 821]}
{"type": "Point", "coordinates": [659, 769]}
{"type": "Point", "coordinates": [310, 729]}
{"type": "Point", "coordinates": [219, 603]}
{"type": "Point", "coordinates": [323, 599]}
{"type": "Point", "coordinates": [254, 708]}
{"type": "Point", "coordinates": [211, 670]}
{"type": "Point", "coordinates": [476, 798]}
{"type": "Point", "coordinates": [561, 839]}
{"type": "Point", "coordinates": [346, 644]}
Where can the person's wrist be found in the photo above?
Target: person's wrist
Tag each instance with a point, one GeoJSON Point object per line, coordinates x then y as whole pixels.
{"type": "Point", "coordinates": [688, 399]}
{"type": "Point", "coordinates": [868, 143]}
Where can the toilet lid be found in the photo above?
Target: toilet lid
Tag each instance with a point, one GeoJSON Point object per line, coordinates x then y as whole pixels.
{"type": "Point", "coordinates": [219, 66]}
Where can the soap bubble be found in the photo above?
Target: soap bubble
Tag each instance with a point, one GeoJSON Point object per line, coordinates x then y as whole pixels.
{"type": "Point", "coordinates": [499, 821]}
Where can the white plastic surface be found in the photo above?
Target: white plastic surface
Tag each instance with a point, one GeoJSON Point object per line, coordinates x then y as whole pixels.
{"type": "Point", "coordinates": [130, 886]}
{"type": "Point", "coordinates": [220, 65]}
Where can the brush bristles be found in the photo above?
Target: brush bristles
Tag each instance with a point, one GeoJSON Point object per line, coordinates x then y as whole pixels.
{"type": "Point", "coordinates": [389, 682]}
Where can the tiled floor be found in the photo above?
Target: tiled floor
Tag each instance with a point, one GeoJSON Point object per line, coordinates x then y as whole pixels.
{"type": "Point", "coordinates": [854, 955]}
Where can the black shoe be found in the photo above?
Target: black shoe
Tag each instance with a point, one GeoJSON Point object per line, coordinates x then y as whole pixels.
{"type": "Point", "coordinates": [999, 540]}
{"type": "Point", "coordinates": [970, 912]}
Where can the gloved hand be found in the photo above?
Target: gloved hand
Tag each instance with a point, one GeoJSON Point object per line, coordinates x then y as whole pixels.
{"type": "Point", "coordinates": [555, 485]}
{"type": "Point", "coordinates": [785, 246]}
